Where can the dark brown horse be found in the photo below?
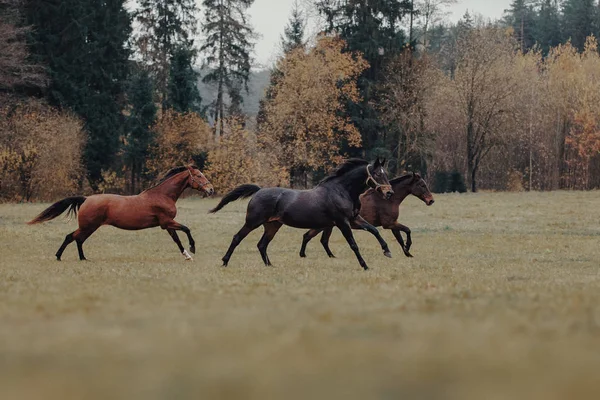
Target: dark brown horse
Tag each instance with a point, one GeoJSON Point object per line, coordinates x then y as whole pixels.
{"type": "Point", "coordinates": [333, 202]}
{"type": "Point", "coordinates": [151, 208]}
{"type": "Point", "coordinates": [381, 212]}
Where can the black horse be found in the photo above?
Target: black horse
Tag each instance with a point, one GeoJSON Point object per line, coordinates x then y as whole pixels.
{"type": "Point", "coordinates": [333, 202]}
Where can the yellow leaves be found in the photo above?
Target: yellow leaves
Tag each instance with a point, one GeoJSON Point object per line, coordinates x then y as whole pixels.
{"type": "Point", "coordinates": [238, 159]}
{"type": "Point", "coordinates": [179, 138]}
{"type": "Point", "coordinates": [40, 152]}
{"type": "Point", "coordinates": [303, 119]}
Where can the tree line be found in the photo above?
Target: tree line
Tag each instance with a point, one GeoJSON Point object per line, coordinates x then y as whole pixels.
{"type": "Point", "coordinates": [503, 105]}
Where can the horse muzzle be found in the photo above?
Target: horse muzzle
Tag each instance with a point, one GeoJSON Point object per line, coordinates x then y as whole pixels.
{"type": "Point", "coordinates": [386, 191]}
{"type": "Point", "coordinates": [429, 201]}
{"type": "Point", "coordinates": [208, 189]}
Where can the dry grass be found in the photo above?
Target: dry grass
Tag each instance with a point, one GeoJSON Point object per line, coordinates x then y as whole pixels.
{"type": "Point", "coordinates": [502, 300]}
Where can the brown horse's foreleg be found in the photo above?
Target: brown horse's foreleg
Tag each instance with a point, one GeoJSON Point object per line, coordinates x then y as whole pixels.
{"type": "Point", "coordinates": [175, 238]}
{"type": "Point", "coordinates": [396, 228]}
{"type": "Point", "coordinates": [176, 226]}
{"type": "Point", "coordinates": [360, 223]}
{"type": "Point", "coordinates": [325, 241]}
{"type": "Point", "coordinates": [68, 240]}
{"type": "Point", "coordinates": [347, 232]}
{"type": "Point", "coordinates": [271, 229]}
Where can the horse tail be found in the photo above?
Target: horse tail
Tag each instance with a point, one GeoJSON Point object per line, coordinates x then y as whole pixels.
{"type": "Point", "coordinates": [240, 192]}
{"type": "Point", "coordinates": [71, 203]}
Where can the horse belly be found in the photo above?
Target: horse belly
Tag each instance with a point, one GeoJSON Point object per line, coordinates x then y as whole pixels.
{"type": "Point", "coordinates": [306, 219]}
{"type": "Point", "coordinates": [132, 218]}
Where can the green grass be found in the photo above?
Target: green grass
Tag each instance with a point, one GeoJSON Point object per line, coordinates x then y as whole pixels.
{"type": "Point", "coordinates": [501, 301]}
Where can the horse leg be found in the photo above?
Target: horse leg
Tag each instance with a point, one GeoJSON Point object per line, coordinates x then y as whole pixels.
{"type": "Point", "coordinates": [360, 223]}
{"type": "Point", "coordinates": [271, 229]}
{"type": "Point", "coordinates": [307, 238]}
{"type": "Point", "coordinates": [325, 241]}
{"type": "Point", "coordinates": [396, 228]}
{"type": "Point", "coordinates": [175, 238]}
{"type": "Point", "coordinates": [237, 238]}
{"type": "Point", "coordinates": [68, 240]}
{"type": "Point", "coordinates": [347, 232]}
{"type": "Point", "coordinates": [80, 236]}
{"type": "Point", "coordinates": [180, 227]}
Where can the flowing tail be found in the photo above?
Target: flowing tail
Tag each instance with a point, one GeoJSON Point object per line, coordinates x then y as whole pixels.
{"type": "Point", "coordinates": [71, 203]}
{"type": "Point", "coordinates": [240, 192]}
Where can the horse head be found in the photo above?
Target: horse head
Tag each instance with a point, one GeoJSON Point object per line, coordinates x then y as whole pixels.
{"type": "Point", "coordinates": [198, 181]}
{"type": "Point", "coordinates": [377, 178]}
{"type": "Point", "coordinates": [419, 188]}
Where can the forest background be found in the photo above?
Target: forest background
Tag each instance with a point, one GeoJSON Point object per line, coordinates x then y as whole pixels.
{"type": "Point", "coordinates": [104, 96]}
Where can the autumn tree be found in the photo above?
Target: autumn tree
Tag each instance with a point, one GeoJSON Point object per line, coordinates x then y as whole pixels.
{"type": "Point", "coordinates": [181, 138]}
{"type": "Point", "coordinates": [480, 92]}
{"type": "Point", "coordinates": [305, 121]}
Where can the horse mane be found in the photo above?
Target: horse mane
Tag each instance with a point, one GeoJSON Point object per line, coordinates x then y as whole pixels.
{"type": "Point", "coordinates": [401, 178]}
{"type": "Point", "coordinates": [348, 165]}
{"type": "Point", "coordinates": [170, 173]}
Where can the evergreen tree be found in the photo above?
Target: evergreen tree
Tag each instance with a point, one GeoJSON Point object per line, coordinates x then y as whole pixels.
{"type": "Point", "coordinates": [293, 32]}
{"type": "Point", "coordinates": [165, 26]}
{"type": "Point", "coordinates": [83, 43]}
{"type": "Point", "coordinates": [371, 27]}
{"type": "Point", "coordinates": [292, 38]}
{"type": "Point", "coordinates": [521, 17]}
{"type": "Point", "coordinates": [579, 21]}
{"type": "Point", "coordinates": [547, 26]}
{"type": "Point", "coordinates": [228, 44]}
{"type": "Point", "coordinates": [141, 117]}
{"type": "Point", "coordinates": [183, 94]}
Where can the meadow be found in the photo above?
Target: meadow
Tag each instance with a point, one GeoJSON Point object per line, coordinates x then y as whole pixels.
{"type": "Point", "coordinates": [501, 301]}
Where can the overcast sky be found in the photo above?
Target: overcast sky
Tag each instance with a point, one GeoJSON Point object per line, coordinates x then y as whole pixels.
{"type": "Point", "coordinates": [270, 16]}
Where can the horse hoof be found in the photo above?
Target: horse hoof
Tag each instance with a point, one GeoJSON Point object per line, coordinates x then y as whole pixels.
{"type": "Point", "coordinates": [302, 255]}
{"type": "Point", "coordinates": [187, 256]}
{"type": "Point", "coordinates": [331, 256]}
{"type": "Point", "coordinates": [387, 254]}
{"type": "Point", "coordinates": [407, 254]}
{"type": "Point", "coordinates": [193, 249]}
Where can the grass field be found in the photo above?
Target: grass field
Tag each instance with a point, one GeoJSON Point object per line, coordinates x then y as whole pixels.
{"type": "Point", "coordinates": [501, 301]}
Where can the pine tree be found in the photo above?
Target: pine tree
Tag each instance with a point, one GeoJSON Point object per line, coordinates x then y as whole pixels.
{"type": "Point", "coordinates": [165, 25]}
{"type": "Point", "coordinates": [579, 21]}
{"type": "Point", "coordinates": [83, 43]}
{"type": "Point", "coordinates": [547, 26]}
{"type": "Point", "coordinates": [521, 17]}
{"type": "Point", "coordinates": [141, 117]}
{"type": "Point", "coordinates": [292, 38]}
{"type": "Point", "coordinates": [183, 94]}
{"type": "Point", "coordinates": [228, 46]}
{"type": "Point", "coordinates": [371, 27]}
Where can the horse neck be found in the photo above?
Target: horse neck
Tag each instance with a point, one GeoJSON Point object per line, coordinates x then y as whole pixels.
{"type": "Point", "coordinates": [172, 187]}
{"type": "Point", "coordinates": [354, 182]}
{"type": "Point", "coordinates": [401, 190]}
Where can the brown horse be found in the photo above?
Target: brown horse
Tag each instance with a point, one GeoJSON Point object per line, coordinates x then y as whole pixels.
{"type": "Point", "coordinates": [151, 208]}
{"type": "Point", "coordinates": [381, 212]}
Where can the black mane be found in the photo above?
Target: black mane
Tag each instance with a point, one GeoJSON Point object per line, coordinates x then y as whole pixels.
{"type": "Point", "coordinates": [170, 173]}
{"type": "Point", "coordinates": [401, 178]}
{"type": "Point", "coordinates": [346, 167]}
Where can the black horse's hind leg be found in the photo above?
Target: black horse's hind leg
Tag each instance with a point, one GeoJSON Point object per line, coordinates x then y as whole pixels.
{"type": "Point", "coordinates": [237, 238]}
{"type": "Point", "coordinates": [68, 240]}
{"type": "Point", "coordinates": [325, 241]}
{"type": "Point", "coordinates": [271, 229]}
{"type": "Point", "coordinates": [307, 237]}
{"type": "Point", "coordinates": [360, 223]}
{"type": "Point", "coordinates": [347, 232]}
{"type": "Point", "coordinates": [398, 236]}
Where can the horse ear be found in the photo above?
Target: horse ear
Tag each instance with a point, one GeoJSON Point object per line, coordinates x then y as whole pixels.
{"type": "Point", "coordinates": [384, 161]}
{"type": "Point", "coordinates": [377, 163]}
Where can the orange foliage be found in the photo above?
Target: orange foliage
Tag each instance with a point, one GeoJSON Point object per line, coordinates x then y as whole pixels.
{"type": "Point", "coordinates": [40, 153]}
{"type": "Point", "coordinates": [304, 120]}
{"type": "Point", "coordinates": [179, 138]}
{"type": "Point", "coordinates": [238, 159]}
